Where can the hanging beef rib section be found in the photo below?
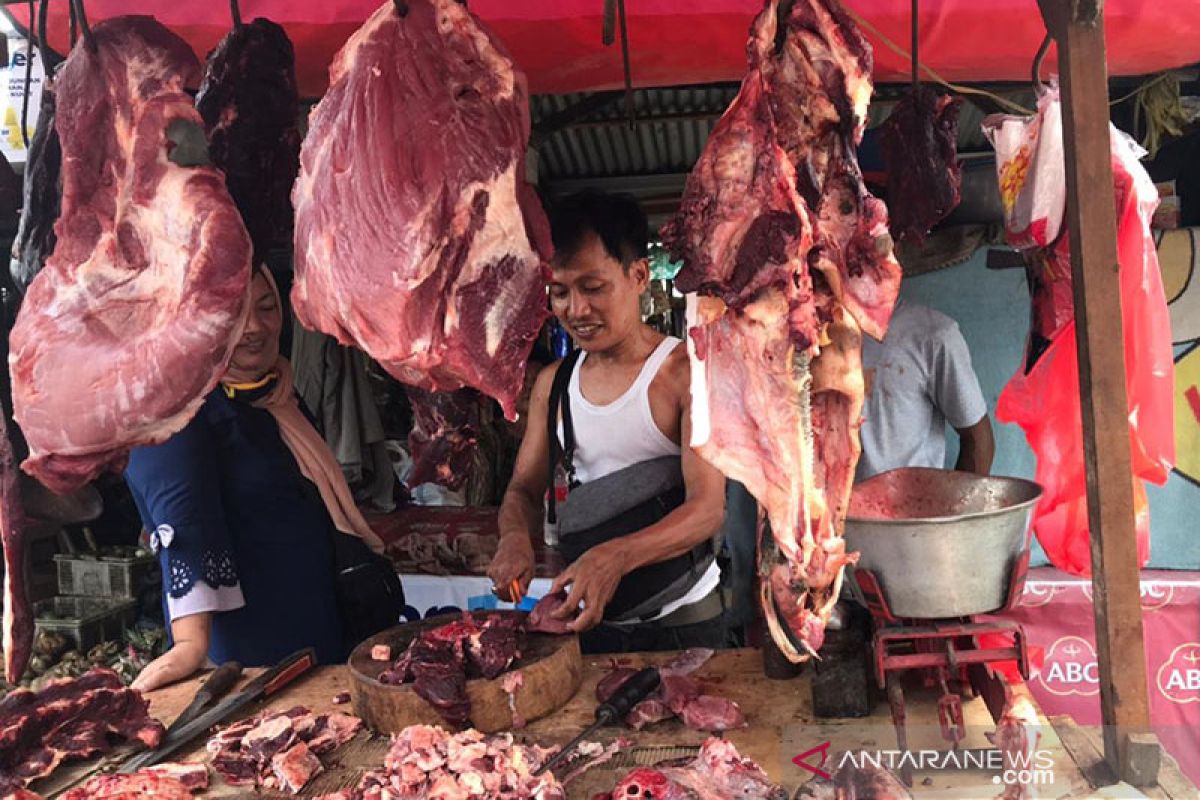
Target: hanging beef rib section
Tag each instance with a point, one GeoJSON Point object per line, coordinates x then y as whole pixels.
{"type": "Point", "coordinates": [134, 317]}
{"type": "Point", "coordinates": [793, 259]}
{"type": "Point", "coordinates": [417, 238]}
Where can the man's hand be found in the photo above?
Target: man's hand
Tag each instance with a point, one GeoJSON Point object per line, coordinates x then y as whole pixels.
{"type": "Point", "coordinates": [513, 562]}
{"type": "Point", "coordinates": [593, 579]}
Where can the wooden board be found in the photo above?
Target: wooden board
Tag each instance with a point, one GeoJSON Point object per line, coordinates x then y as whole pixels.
{"type": "Point", "coordinates": [550, 666]}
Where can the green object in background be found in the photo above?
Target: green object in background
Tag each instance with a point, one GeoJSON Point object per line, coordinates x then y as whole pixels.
{"type": "Point", "coordinates": [661, 265]}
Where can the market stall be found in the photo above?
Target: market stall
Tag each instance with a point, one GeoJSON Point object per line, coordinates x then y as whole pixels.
{"type": "Point", "coordinates": [786, 266]}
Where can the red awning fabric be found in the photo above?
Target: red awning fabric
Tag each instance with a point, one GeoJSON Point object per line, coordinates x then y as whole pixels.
{"type": "Point", "coordinates": [682, 42]}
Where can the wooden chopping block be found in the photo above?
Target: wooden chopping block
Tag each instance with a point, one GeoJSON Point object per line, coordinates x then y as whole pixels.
{"type": "Point", "coordinates": [551, 668]}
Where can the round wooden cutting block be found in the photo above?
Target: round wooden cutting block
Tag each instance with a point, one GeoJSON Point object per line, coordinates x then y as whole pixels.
{"type": "Point", "coordinates": [551, 668]}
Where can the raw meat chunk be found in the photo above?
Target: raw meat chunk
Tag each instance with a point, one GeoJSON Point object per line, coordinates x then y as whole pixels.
{"type": "Point", "coordinates": [295, 767]}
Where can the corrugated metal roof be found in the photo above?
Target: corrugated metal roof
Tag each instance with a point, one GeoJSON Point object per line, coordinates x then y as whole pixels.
{"type": "Point", "coordinates": [671, 127]}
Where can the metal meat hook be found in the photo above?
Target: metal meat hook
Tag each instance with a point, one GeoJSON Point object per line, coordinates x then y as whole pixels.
{"type": "Point", "coordinates": [236, 13]}
{"type": "Point", "coordinates": [1037, 61]}
{"type": "Point", "coordinates": [89, 41]}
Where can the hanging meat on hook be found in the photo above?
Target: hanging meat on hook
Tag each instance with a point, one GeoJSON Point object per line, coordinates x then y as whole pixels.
{"type": "Point", "coordinates": [42, 179]}
{"type": "Point", "coordinates": [134, 317]}
{"type": "Point", "coordinates": [792, 261]}
{"type": "Point", "coordinates": [251, 111]}
{"type": "Point", "coordinates": [920, 148]}
{"type": "Point", "coordinates": [418, 239]}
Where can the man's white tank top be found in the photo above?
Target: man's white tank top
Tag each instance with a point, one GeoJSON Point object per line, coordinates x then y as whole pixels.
{"type": "Point", "coordinates": [621, 433]}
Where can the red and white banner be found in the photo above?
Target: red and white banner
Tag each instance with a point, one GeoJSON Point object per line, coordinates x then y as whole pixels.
{"type": "Point", "coordinates": [1058, 618]}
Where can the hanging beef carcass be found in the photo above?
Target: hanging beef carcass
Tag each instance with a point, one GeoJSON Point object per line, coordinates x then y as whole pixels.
{"type": "Point", "coordinates": [920, 148]}
{"type": "Point", "coordinates": [794, 261]}
{"type": "Point", "coordinates": [251, 111]}
{"type": "Point", "coordinates": [417, 238]}
{"type": "Point", "coordinates": [134, 317]}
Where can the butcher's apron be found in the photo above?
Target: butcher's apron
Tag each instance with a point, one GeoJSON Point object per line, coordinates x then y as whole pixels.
{"type": "Point", "coordinates": [618, 504]}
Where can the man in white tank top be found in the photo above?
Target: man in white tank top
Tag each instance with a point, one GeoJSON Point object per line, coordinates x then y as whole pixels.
{"type": "Point", "coordinates": [630, 402]}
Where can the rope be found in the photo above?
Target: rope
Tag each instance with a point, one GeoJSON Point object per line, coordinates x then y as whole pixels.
{"type": "Point", "coordinates": [900, 51]}
{"type": "Point", "coordinates": [28, 78]}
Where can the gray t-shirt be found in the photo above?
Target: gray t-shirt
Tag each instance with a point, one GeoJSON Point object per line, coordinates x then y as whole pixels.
{"type": "Point", "coordinates": [918, 379]}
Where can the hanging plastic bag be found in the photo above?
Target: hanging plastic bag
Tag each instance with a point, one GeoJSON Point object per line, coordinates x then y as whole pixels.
{"type": "Point", "coordinates": [1043, 397]}
{"type": "Point", "coordinates": [1031, 168]}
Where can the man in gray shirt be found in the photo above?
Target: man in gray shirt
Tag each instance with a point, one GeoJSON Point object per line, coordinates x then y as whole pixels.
{"type": "Point", "coordinates": [919, 378]}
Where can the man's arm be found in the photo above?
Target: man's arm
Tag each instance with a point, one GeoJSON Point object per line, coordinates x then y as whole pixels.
{"type": "Point", "coordinates": [520, 515]}
{"type": "Point", "coordinates": [594, 577]}
{"type": "Point", "coordinates": [976, 447]}
{"type": "Point", "coordinates": [958, 395]}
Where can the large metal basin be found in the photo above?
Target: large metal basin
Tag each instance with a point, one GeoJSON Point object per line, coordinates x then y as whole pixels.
{"type": "Point", "coordinates": [941, 543]}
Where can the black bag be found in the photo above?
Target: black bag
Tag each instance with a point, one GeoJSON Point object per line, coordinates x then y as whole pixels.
{"type": "Point", "coordinates": [370, 597]}
{"type": "Point", "coordinates": [624, 502]}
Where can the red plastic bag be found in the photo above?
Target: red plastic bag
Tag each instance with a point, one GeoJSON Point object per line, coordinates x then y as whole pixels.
{"type": "Point", "coordinates": [1045, 401]}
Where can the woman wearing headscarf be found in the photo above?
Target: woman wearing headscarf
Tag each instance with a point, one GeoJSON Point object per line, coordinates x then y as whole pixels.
{"type": "Point", "coordinates": [246, 507]}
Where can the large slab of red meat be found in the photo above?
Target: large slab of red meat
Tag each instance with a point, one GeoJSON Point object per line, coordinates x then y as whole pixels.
{"type": "Point", "coordinates": [18, 625]}
{"type": "Point", "coordinates": [251, 111]}
{"type": "Point", "coordinates": [71, 718]}
{"type": "Point", "coordinates": [920, 148]}
{"type": "Point", "coordinates": [134, 317]}
{"type": "Point", "coordinates": [417, 238]}
{"type": "Point", "coordinates": [794, 260]}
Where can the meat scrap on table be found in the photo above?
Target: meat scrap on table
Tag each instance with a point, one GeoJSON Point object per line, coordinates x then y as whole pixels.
{"type": "Point", "coordinates": [69, 719]}
{"type": "Point", "coordinates": [428, 762]}
{"type": "Point", "coordinates": [163, 782]}
{"type": "Point", "coordinates": [793, 261]}
{"type": "Point", "coordinates": [678, 694]}
{"type": "Point", "coordinates": [718, 772]}
{"type": "Point", "coordinates": [279, 750]}
{"type": "Point", "coordinates": [440, 660]}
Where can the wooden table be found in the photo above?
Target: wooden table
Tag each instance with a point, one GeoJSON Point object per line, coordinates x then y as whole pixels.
{"type": "Point", "coordinates": [779, 713]}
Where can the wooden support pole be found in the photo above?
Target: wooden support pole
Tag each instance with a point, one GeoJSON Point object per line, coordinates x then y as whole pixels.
{"type": "Point", "coordinates": [1078, 27]}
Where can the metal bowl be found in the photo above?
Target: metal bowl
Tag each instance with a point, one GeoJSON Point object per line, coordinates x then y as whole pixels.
{"type": "Point", "coordinates": [941, 543]}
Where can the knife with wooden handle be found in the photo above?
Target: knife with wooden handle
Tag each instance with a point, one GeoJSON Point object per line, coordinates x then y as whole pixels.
{"type": "Point", "coordinates": [216, 685]}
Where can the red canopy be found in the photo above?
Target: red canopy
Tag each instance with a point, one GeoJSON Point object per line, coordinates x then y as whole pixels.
{"type": "Point", "coordinates": [678, 42]}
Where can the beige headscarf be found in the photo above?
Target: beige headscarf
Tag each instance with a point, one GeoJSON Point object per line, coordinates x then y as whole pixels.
{"type": "Point", "coordinates": [312, 454]}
